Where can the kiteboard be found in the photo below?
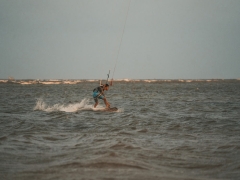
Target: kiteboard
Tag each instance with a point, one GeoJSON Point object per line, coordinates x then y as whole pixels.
{"type": "Point", "coordinates": [112, 109]}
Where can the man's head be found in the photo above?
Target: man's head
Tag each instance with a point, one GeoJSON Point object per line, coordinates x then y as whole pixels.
{"type": "Point", "coordinates": [106, 86]}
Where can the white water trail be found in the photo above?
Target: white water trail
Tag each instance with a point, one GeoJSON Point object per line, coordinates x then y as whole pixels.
{"type": "Point", "coordinates": [72, 107]}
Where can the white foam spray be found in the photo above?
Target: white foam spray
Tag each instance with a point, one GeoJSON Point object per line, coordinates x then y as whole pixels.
{"type": "Point", "coordinates": [72, 107]}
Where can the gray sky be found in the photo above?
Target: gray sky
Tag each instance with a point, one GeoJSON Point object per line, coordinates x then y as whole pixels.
{"type": "Point", "coordinates": [79, 39]}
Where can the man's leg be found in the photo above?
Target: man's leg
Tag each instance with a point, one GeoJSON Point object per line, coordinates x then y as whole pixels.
{"type": "Point", "coordinates": [106, 103]}
{"type": "Point", "coordinates": [96, 102]}
{"type": "Point", "coordinates": [95, 105]}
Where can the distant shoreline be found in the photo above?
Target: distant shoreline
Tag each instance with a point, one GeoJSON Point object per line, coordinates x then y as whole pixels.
{"type": "Point", "coordinates": [78, 81]}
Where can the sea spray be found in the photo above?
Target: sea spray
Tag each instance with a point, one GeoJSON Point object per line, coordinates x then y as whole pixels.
{"type": "Point", "coordinates": [73, 107]}
{"type": "Point", "coordinates": [40, 105]}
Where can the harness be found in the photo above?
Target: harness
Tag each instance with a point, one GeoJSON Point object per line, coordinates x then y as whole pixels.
{"type": "Point", "coordinates": [96, 90]}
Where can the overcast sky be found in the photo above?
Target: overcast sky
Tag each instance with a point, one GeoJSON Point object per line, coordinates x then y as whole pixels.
{"type": "Point", "coordinates": [80, 39]}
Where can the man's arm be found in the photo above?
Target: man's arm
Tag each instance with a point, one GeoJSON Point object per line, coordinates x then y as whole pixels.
{"type": "Point", "coordinates": [101, 91]}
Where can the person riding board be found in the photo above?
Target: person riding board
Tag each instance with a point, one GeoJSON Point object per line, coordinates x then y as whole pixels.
{"type": "Point", "coordinates": [98, 93]}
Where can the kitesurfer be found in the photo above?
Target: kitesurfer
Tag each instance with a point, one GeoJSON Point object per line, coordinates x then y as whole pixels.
{"type": "Point", "coordinates": [98, 93]}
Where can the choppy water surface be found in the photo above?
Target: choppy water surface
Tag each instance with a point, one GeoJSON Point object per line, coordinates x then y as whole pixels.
{"type": "Point", "coordinates": [163, 130]}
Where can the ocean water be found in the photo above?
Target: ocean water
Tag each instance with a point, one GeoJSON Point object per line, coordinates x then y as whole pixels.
{"type": "Point", "coordinates": [164, 129]}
